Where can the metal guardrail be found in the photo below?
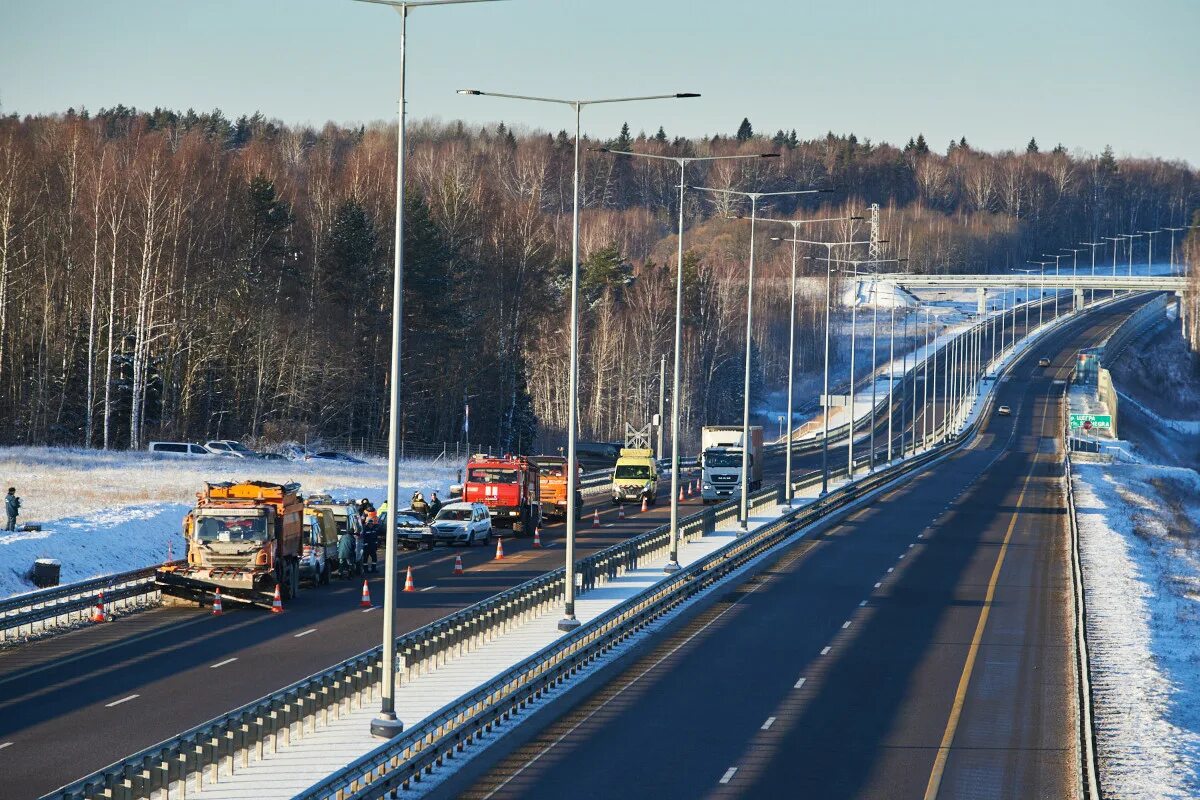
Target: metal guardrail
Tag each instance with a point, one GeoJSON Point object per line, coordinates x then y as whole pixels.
{"type": "Point", "coordinates": [227, 740]}
{"type": "Point", "coordinates": [1150, 314]}
{"type": "Point", "coordinates": [1089, 759]}
{"type": "Point", "coordinates": [22, 615]}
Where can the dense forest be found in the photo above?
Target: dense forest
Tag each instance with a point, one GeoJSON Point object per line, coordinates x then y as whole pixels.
{"type": "Point", "coordinates": [184, 275]}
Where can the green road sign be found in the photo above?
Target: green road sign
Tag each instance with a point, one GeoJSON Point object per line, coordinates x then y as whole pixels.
{"type": "Point", "coordinates": [1099, 421]}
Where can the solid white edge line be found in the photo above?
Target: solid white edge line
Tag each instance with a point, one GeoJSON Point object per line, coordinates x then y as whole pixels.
{"type": "Point", "coordinates": [223, 663]}
{"type": "Point", "coordinates": [728, 775]}
{"type": "Point", "coordinates": [122, 700]}
{"type": "Point", "coordinates": [305, 633]}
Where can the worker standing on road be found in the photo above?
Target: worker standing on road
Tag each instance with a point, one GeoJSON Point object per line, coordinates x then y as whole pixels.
{"type": "Point", "coordinates": [12, 507]}
{"type": "Point", "coordinates": [435, 505]}
{"type": "Point", "coordinates": [370, 540]}
{"type": "Point", "coordinates": [345, 551]}
{"type": "Point", "coordinates": [419, 506]}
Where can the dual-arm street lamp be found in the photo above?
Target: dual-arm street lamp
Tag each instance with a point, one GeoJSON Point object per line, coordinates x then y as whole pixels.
{"type": "Point", "coordinates": [825, 396]}
{"type": "Point", "coordinates": [1150, 250]}
{"type": "Point", "coordinates": [673, 561]}
{"type": "Point", "coordinates": [754, 197]}
{"type": "Point", "coordinates": [1056, 260]}
{"type": "Point", "coordinates": [569, 622]}
{"type": "Point", "coordinates": [795, 223]}
{"type": "Point", "coordinates": [1093, 245]}
{"type": "Point", "coordinates": [387, 724]}
{"type": "Point", "coordinates": [1074, 266]}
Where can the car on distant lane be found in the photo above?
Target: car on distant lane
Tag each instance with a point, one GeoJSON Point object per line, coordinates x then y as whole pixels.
{"type": "Point", "coordinates": [1004, 411]}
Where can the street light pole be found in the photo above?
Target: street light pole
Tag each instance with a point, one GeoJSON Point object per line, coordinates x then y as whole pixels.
{"type": "Point", "coordinates": [673, 560]}
{"type": "Point", "coordinates": [1093, 245]}
{"type": "Point", "coordinates": [1150, 250]}
{"type": "Point", "coordinates": [569, 621]}
{"type": "Point", "coordinates": [754, 197]}
{"type": "Point", "coordinates": [387, 724]}
{"type": "Point", "coordinates": [825, 396]}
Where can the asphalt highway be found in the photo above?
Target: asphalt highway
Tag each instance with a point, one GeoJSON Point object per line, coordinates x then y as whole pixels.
{"type": "Point", "coordinates": [919, 648]}
{"type": "Point", "coordinates": [79, 701]}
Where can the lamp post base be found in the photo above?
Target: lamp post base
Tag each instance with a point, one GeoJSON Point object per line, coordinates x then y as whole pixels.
{"type": "Point", "coordinates": [386, 725]}
{"type": "Point", "coordinates": [568, 624]}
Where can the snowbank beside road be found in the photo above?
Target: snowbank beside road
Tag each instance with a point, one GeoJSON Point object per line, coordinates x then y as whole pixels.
{"type": "Point", "coordinates": [1141, 567]}
{"type": "Point", "coordinates": [105, 512]}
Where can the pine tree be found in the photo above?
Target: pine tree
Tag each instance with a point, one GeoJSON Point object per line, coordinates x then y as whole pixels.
{"type": "Point", "coordinates": [1032, 147]}
{"type": "Point", "coordinates": [624, 141]}
{"type": "Point", "coordinates": [1059, 149]}
{"type": "Point", "coordinates": [604, 269]}
{"type": "Point", "coordinates": [921, 147]}
{"type": "Point", "coordinates": [950, 148]}
{"type": "Point", "coordinates": [908, 148]}
{"type": "Point", "coordinates": [780, 138]}
{"type": "Point", "coordinates": [661, 136]}
{"type": "Point", "coordinates": [1108, 161]}
{"type": "Point", "coordinates": [793, 140]}
{"type": "Point", "coordinates": [963, 143]}
{"type": "Point", "coordinates": [745, 130]}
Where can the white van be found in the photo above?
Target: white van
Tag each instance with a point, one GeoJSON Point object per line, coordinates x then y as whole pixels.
{"type": "Point", "coordinates": [178, 449]}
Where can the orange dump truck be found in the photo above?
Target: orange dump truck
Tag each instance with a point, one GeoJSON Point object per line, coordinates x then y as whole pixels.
{"type": "Point", "coordinates": [245, 538]}
{"type": "Point", "coordinates": [552, 474]}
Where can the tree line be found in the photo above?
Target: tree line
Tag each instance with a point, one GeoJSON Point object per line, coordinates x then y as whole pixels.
{"type": "Point", "coordinates": [184, 275]}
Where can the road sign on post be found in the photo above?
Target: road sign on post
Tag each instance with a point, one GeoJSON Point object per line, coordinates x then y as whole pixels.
{"type": "Point", "coordinates": [1089, 421]}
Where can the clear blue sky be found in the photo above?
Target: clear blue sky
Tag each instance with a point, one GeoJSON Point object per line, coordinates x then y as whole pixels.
{"type": "Point", "coordinates": [1083, 72]}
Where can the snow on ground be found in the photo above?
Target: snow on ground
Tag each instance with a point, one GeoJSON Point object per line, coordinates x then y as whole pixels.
{"type": "Point", "coordinates": [1141, 566]}
{"type": "Point", "coordinates": [107, 512]}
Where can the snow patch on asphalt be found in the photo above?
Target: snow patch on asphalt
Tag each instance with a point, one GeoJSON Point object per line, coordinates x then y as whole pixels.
{"type": "Point", "coordinates": [108, 512]}
{"type": "Point", "coordinates": [1141, 567]}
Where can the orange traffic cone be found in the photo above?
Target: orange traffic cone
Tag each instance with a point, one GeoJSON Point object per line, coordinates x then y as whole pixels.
{"type": "Point", "coordinates": [621, 511]}
{"type": "Point", "coordinates": [458, 568]}
{"type": "Point", "coordinates": [596, 518]}
{"type": "Point", "coordinates": [217, 609]}
{"type": "Point", "coordinates": [409, 586]}
{"type": "Point", "coordinates": [645, 505]}
{"type": "Point", "coordinates": [681, 494]}
{"type": "Point", "coordinates": [537, 537]}
{"type": "Point", "coordinates": [499, 549]}
{"type": "Point", "coordinates": [365, 602]}
{"type": "Point", "coordinates": [277, 603]}
{"type": "Point", "coordinates": [98, 614]}
{"type": "Point", "coordinates": [696, 486]}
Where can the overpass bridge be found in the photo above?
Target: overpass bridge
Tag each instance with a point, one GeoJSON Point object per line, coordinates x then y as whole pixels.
{"type": "Point", "coordinates": [1075, 283]}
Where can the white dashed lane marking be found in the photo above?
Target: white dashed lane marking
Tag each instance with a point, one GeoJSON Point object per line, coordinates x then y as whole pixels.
{"type": "Point", "coordinates": [825, 650]}
{"type": "Point", "coordinates": [799, 683]}
{"type": "Point", "coordinates": [728, 775]}
{"type": "Point", "coordinates": [305, 633]}
{"type": "Point", "coordinates": [766, 726]}
{"type": "Point", "coordinates": [122, 700]}
{"type": "Point", "coordinates": [6, 744]}
{"type": "Point", "coordinates": [878, 585]}
{"type": "Point", "coordinates": [845, 624]}
{"type": "Point", "coordinates": [223, 663]}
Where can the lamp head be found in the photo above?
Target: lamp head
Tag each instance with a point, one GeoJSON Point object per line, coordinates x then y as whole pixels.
{"type": "Point", "coordinates": [470, 91]}
{"type": "Point", "coordinates": [683, 95]}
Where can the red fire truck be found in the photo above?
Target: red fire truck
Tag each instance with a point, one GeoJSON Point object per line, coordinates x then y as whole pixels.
{"type": "Point", "coordinates": [509, 487]}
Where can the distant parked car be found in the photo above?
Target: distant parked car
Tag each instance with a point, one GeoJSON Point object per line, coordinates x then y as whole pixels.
{"type": "Point", "coordinates": [294, 452]}
{"type": "Point", "coordinates": [333, 455]}
{"type": "Point", "coordinates": [230, 448]}
{"type": "Point", "coordinates": [1043, 362]}
{"type": "Point", "coordinates": [1004, 411]}
{"type": "Point", "coordinates": [179, 449]}
{"type": "Point", "coordinates": [272, 456]}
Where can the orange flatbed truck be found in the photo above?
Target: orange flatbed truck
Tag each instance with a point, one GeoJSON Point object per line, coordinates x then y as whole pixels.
{"type": "Point", "coordinates": [246, 538]}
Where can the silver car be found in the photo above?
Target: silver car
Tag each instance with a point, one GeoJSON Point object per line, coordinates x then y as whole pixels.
{"type": "Point", "coordinates": [462, 523]}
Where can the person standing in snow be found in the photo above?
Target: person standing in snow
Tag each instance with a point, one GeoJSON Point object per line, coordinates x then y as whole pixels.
{"type": "Point", "coordinates": [12, 507]}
